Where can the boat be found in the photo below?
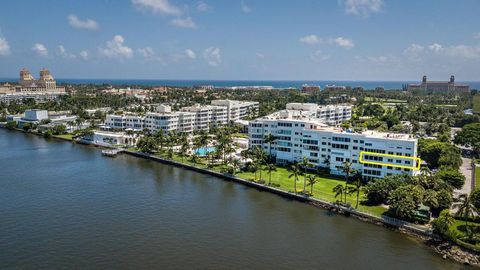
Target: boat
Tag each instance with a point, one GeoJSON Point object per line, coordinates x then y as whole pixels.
{"type": "Point", "coordinates": [110, 152]}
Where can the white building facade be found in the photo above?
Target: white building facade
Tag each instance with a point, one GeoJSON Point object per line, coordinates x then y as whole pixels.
{"type": "Point", "coordinates": [237, 110]}
{"type": "Point", "coordinates": [332, 115]}
{"type": "Point", "coordinates": [328, 147]}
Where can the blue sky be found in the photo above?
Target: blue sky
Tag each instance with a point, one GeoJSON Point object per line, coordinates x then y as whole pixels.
{"type": "Point", "coordinates": [249, 39]}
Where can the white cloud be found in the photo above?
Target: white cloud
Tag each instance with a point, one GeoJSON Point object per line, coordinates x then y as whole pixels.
{"type": "Point", "coordinates": [4, 47]}
{"type": "Point", "coordinates": [190, 54]}
{"type": "Point", "coordinates": [439, 53]}
{"type": "Point", "coordinates": [157, 7]}
{"type": "Point", "coordinates": [383, 59]}
{"type": "Point", "coordinates": [40, 49]}
{"type": "Point", "coordinates": [245, 7]}
{"type": "Point", "coordinates": [260, 55]}
{"type": "Point", "coordinates": [310, 39]}
{"type": "Point", "coordinates": [84, 55]}
{"type": "Point", "coordinates": [362, 8]}
{"type": "Point", "coordinates": [342, 42]}
{"type": "Point", "coordinates": [88, 24]}
{"type": "Point", "coordinates": [115, 49]}
{"type": "Point", "coordinates": [319, 56]}
{"type": "Point", "coordinates": [212, 56]}
{"type": "Point", "coordinates": [149, 54]}
{"type": "Point", "coordinates": [435, 47]}
{"type": "Point", "coordinates": [183, 23]}
{"type": "Point", "coordinates": [203, 7]}
{"type": "Point", "coordinates": [476, 35]}
{"type": "Point", "coordinates": [63, 53]}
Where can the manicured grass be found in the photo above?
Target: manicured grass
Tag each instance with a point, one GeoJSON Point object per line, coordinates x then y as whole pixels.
{"type": "Point", "coordinates": [240, 135]}
{"type": "Point", "coordinates": [64, 136]}
{"type": "Point", "coordinates": [459, 226]}
{"type": "Point", "coordinates": [477, 177]}
{"type": "Point", "coordinates": [322, 189]}
{"type": "Point", "coordinates": [476, 103]}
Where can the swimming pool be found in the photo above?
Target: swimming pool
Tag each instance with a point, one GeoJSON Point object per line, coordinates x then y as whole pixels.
{"type": "Point", "coordinates": [204, 151]}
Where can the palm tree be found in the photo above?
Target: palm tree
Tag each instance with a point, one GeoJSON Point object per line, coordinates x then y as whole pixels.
{"type": "Point", "coordinates": [305, 164]}
{"type": "Point", "coordinates": [339, 191]}
{"type": "Point", "coordinates": [194, 157]}
{"type": "Point", "coordinates": [270, 138]}
{"type": "Point", "coordinates": [295, 173]}
{"type": "Point", "coordinates": [270, 168]}
{"type": "Point", "coordinates": [357, 186]}
{"type": "Point", "coordinates": [260, 158]}
{"type": "Point", "coordinates": [312, 179]}
{"type": "Point", "coordinates": [347, 170]}
{"type": "Point", "coordinates": [160, 139]}
{"type": "Point", "coordinates": [184, 147]}
{"type": "Point", "coordinates": [465, 207]}
{"type": "Point", "coordinates": [235, 163]}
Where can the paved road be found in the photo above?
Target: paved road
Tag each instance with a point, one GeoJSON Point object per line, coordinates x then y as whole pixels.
{"type": "Point", "coordinates": [465, 169]}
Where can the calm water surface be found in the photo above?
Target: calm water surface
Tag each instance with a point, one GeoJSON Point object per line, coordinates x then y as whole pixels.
{"type": "Point", "coordinates": [65, 206]}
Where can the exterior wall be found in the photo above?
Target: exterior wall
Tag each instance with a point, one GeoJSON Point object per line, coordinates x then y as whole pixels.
{"type": "Point", "coordinates": [334, 115]}
{"type": "Point", "coordinates": [38, 97]}
{"type": "Point", "coordinates": [36, 115]}
{"type": "Point", "coordinates": [328, 148]}
{"type": "Point", "coordinates": [237, 110]}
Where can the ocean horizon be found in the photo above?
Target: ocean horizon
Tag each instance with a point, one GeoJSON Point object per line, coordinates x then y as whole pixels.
{"type": "Point", "coordinates": [368, 85]}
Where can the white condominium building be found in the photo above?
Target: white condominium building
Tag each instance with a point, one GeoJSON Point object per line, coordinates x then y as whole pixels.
{"type": "Point", "coordinates": [189, 119]}
{"type": "Point", "coordinates": [207, 116]}
{"type": "Point", "coordinates": [332, 115]}
{"type": "Point", "coordinates": [298, 136]}
{"type": "Point", "coordinates": [125, 121]}
{"type": "Point", "coordinates": [237, 110]}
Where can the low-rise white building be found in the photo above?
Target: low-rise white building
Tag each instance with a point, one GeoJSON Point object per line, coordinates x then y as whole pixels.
{"type": "Point", "coordinates": [113, 138]}
{"type": "Point", "coordinates": [207, 116]}
{"type": "Point", "coordinates": [237, 110]}
{"type": "Point", "coordinates": [332, 115]}
{"type": "Point", "coordinates": [298, 136]}
{"type": "Point", "coordinates": [188, 119]}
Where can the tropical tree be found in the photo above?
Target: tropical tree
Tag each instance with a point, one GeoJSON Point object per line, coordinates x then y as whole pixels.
{"type": "Point", "coordinates": [270, 138]}
{"type": "Point", "coordinates": [357, 186]}
{"type": "Point", "coordinates": [270, 167]}
{"type": "Point", "coordinates": [260, 157]}
{"type": "Point", "coordinates": [312, 180]}
{"type": "Point", "coordinates": [339, 190]}
{"type": "Point", "coordinates": [160, 139]}
{"type": "Point", "coordinates": [348, 170]}
{"type": "Point", "coordinates": [296, 172]}
{"type": "Point", "coordinates": [305, 165]}
{"type": "Point", "coordinates": [185, 146]}
{"type": "Point", "coordinates": [465, 207]}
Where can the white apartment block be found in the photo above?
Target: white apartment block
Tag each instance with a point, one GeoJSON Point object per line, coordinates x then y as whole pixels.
{"type": "Point", "coordinates": [298, 136]}
{"type": "Point", "coordinates": [207, 116]}
{"type": "Point", "coordinates": [189, 119]}
{"type": "Point", "coordinates": [332, 115]}
{"type": "Point", "coordinates": [237, 110]}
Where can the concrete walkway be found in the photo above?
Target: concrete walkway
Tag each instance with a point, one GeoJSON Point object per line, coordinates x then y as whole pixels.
{"type": "Point", "coordinates": [465, 169]}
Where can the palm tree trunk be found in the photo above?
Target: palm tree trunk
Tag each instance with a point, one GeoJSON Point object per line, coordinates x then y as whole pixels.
{"type": "Point", "coordinates": [358, 195]}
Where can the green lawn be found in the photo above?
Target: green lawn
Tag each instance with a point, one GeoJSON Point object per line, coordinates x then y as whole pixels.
{"type": "Point", "coordinates": [459, 226]}
{"type": "Point", "coordinates": [322, 189]}
{"type": "Point", "coordinates": [477, 177]}
{"type": "Point", "coordinates": [64, 136]}
{"type": "Point", "coordinates": [476, 103]}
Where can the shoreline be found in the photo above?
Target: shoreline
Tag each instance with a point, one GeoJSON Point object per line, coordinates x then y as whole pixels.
{"type": "Point", "coordinates": [447, 249]}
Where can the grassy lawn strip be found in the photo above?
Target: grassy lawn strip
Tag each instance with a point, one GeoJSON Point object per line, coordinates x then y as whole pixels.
{"type": "Point", "coordinates": [64, 136]}
{"type": "Point", "coordinates": [459, 226]}
{"type": "Point", "coordinates": [322, 189]}
{"type": "Point", "coordinates": [477, 177]}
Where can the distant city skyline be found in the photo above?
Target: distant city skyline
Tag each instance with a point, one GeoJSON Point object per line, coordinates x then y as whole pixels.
{"type": "Point", "coordinates": [365, 40]}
